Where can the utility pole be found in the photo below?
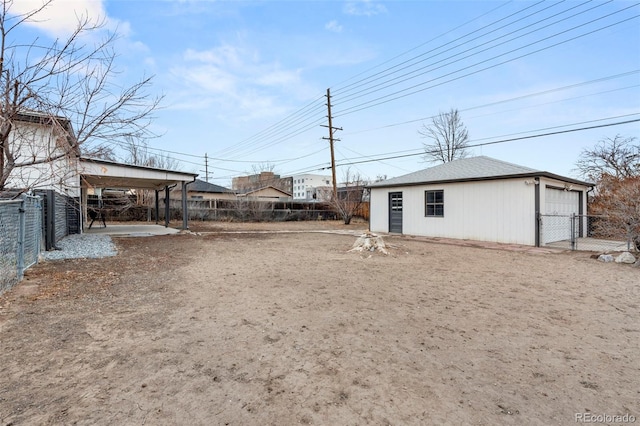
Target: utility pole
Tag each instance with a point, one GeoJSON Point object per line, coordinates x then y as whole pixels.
{"type": "Point", "coordinates": [206, 168]}
{"type": "Point", "coordinates": [331, 140]}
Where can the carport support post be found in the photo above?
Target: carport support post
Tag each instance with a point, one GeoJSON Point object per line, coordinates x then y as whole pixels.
{"type": "Point", "coordinates": [157, 206]}
{"type": "Point", "coordinates": [50, 220]}
{"type": "Point", "coordinates": [166, 207]}
{"type": "Point", "coordinates": [185, 213]}
{"type": "Point", "coordinates": [537, 208]}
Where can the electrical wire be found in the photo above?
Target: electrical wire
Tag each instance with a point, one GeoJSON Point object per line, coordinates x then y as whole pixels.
{"type": "Point", "coordinates": [416, 60]}
{"type": "Point", "coordinates": [308, 117]}
{"type": "Point", "coordinates": [497, 142]}
{"type": "Point", "coordinates": [518, 98]}
{"type": "Point", "coordinates": [397, 95]}
{"type": "Point", "coordinates": [282, 132]}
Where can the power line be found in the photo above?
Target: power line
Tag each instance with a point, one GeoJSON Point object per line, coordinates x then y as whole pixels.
{"type": "Point", "coordinates": [414, 61]}
{"type": "Point", "coordinates": [307, 118]}
{"type": "Point", "coordinates": [500, 141]}
{"type": "Point", "coordinates": [518, 98]}
{"type": "Point", "coordinates": [294, 119]}
{"type": "Point", "coordinates": [401, 93]}
{"type": "Point", "coordinates": [279, 128]}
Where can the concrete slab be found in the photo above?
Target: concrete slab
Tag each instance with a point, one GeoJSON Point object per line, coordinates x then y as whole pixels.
{"type": "Point", "coordinates": [592, 244]}
{"type": "Point", "coordinates": [131, 230]}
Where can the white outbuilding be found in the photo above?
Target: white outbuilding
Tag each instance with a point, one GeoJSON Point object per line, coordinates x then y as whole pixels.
{"type": "Point", "coordinates": [479, 198]}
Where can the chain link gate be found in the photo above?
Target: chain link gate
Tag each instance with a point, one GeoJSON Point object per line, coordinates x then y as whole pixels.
{"type": "Point", "coordinates": [584, 232]}
{"type": "Point", "coordinates": [20, 238]}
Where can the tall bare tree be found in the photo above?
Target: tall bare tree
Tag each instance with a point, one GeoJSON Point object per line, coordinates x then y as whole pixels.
{"type": "Point", "coordinates": [617, 157]}
{"type": "Point", "coordinates": [67, 85]}
{"type": "Point", "coordinates": [449, 138]}
{"type": "Point", "coordinates": [613, 164]}
{"type": "Point", "coordinates": [617, 203]}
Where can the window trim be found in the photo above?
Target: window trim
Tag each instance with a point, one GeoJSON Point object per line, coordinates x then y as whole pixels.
{"type": "Point", "coordinates": [433, 204]}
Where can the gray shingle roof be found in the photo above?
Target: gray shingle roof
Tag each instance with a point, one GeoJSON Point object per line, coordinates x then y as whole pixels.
{"type": "Point", "coordinates": [202, 186]}
{"type": "Point", "coordinates": [473, 168]}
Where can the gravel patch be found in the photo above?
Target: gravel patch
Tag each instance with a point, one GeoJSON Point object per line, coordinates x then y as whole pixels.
{"type": "Point", "coordinates": [82, 246]}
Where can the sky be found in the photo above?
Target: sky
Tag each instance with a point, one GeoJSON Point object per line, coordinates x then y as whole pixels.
{"type": "Point", "coordinates": [245, 82]}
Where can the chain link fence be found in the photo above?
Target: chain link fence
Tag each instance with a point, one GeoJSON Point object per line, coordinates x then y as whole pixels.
{"type": "Point", "coordinates": [585, 232]}
{"type": "Point", "coordinates": [20, 238]}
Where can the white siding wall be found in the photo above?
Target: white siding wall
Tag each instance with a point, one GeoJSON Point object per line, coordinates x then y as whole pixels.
{"type": "Point", "coordinates": [35, 142]}
{"type": "Point", "coordinates": [499, 211]}
{"type": "Point", "coordinates": [379, 209]}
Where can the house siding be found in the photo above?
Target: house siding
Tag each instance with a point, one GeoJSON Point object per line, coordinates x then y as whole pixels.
{"type": "Point", "coordinates": [38, 142]}
{"type": "Point", "coordinates": [492, 210]}
{"type": "Point", "coordinates": [207, 196]}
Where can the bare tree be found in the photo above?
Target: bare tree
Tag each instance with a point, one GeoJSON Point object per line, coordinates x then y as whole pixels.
{"type": "Point", "coordinates": [104, 152]}
{"type": "Point", "coordinates": [349, 198]}
{"type": "Point", "coordinates": [617, 157]}
{"type": "Point", "coordinates": [617, 203]}
{"type": "Point", "coordinates": [253, 209]}
{"type": "Point", "coordinates": [448, 135]}
{"type": "Point", "coordinates": [613, 164]}
{"type": "Point", "coordinates": [262, 167]}
{"type": "Point", "coordinates": [138, 154]}
{"type": "Point", "coordinates": [68, 87]}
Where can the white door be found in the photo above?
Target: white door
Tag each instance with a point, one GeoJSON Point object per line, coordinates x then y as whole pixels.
{"type": "Point", "coordinates": [559, 206]}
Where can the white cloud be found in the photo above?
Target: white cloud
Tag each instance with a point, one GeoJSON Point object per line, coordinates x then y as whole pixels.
{"type": "Point", "coordinates": [209, 78]}
{"type": "Point", "coordinates": [333, 26]}
{"type": "Point", "coordinates": [364, 8]}
{"type": "Point", "coordinates": [236, 79]}
{"type": "Point", "coordinates": [278, 77]}
{"type": "Point", "coordinates": [60, 18]}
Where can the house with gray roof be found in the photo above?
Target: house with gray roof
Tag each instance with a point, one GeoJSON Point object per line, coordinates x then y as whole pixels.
{"type": "Point", "coordinates": [201, 190]}
{"type": "Point", "coordinates": [480, 198]}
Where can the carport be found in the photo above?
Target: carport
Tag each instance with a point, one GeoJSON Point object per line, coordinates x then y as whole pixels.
{"type": "Point", "coordinates": [98, 173]}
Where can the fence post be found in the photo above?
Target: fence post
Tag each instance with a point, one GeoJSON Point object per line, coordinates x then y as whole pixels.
{"type": "Point", "coordinates": [21, 237]}
{"type": "Point", "coordinates": [574, 243]}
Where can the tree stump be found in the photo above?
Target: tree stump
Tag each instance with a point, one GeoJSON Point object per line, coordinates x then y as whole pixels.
{"type": "Point", "coordinates": [370, 242]}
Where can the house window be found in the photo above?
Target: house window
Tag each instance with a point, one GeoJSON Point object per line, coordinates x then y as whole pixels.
{"type": "Point", "coordinates": [434, 203]}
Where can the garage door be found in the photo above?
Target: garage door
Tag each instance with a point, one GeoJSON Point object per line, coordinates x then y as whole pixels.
{"type": "Point", "coordinates": [560, 202]}
{"type": "Point", "coordinates": [559, 206]}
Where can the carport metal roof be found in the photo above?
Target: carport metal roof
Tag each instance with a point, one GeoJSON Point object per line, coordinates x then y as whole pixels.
{"type": "Point", "coordinates": [108, 174]}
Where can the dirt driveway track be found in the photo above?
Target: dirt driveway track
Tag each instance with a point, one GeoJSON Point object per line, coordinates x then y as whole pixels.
{"type": "Point", "coordinates": [291, 328]}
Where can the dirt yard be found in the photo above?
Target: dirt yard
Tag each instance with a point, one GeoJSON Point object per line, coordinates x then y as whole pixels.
{"type": "Point", "coordinates": [291, 328]}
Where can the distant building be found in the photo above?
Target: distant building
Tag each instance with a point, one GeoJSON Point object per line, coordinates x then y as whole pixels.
{"type": "Point", "coordinates": [268, 193]}
{"type": "Point", "coordinates": [248, 183]}
{"type": "Point", "coordinates": [201, 190]}
{"type": "Point", "coordinates": [311, 187]}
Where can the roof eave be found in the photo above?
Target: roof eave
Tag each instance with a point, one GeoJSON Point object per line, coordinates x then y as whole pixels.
{"type": "Point", "coordinates": [477, 179]}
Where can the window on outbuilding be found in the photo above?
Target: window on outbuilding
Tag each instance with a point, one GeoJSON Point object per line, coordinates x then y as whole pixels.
{"type": "Point", "coordinates": [434, 203]}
